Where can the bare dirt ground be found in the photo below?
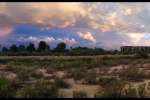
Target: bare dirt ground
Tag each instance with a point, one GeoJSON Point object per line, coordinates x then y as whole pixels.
{"type": "Point", "coordinates": [89, 89]}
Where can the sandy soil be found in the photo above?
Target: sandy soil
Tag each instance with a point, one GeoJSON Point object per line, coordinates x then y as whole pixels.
{"type": "Point", "coordinates": [89, 89]}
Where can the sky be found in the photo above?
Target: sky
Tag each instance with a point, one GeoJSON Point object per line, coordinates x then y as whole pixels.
{"type": "Point", "coordinates": [107, 25]}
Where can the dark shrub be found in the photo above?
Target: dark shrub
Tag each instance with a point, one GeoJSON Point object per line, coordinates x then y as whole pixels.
{"type": "Point", "coordinates": [139, 55]}
{"type": "Point", "coordinates": [6, 90]}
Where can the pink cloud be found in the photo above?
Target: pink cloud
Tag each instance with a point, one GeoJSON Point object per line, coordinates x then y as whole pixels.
{"type": "Point", "coordinates": [87, 36]}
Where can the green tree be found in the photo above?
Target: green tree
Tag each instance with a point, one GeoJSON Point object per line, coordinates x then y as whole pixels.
{"type": "Point", "coordinates": [5, 49]}
{"type": "Point", "coordinates": [70, 47]}
{"type": "Point", "coordinates": [31, 48]}
{"type": "Point", "coordinates": [67, 52]}
{"type": "Point", "coordinates": [21, 48]}
{"type": "Point", "coordinates": [99, 51]}
{"type": "Point", "coordinates": [47, 50]}
{"type": "Point", "coordinates": [14, 48]}
{"type": "Point", "coordinates": [61, 47]}
{"type": "Point", "coordinates": [42, 46]}
{"type": "Point", "coordinates": [47, 47]}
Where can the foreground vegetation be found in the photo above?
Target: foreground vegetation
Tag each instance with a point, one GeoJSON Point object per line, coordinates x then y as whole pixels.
{"type": "Point", "coordinates": [34, 77]}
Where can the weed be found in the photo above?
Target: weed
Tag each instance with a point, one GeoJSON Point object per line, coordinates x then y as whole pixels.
{"type": "Point", "coordinates": [79, 94]}
{"type": "Point", "coordinates": [91, 78]}
{"type": "Point", "coordinates": [142, 90]}
{"type": "Point", "coordinates": [6, 90]}
{"type": "Point", "coordinates": [37, 75]}
{"type": "Point", "coordinates": [61, 83]}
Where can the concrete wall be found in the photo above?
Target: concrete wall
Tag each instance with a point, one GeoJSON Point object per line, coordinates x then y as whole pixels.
{"type": "Point", "coordinates": [134, 48]}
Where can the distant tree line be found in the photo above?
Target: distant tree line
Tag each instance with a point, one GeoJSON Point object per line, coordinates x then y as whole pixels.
{"type": "Point", "coordinates": [59, 50]}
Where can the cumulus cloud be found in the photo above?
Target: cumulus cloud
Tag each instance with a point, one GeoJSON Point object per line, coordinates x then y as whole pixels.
{"type": "Point", "coordinates": [49, 40]}
{"type": "Point", "coordinates": [142, 26]}
{"type": "Point", "coordinates": [87, 36]}
{"type": "Point", "coordinates": [135, 38]}
{"type": "Point", "coordinates": [43, 15]}
{"type": "Point", "coordinates": [131, 20]}
{"type": "Point", "coordinates": [119, 17]}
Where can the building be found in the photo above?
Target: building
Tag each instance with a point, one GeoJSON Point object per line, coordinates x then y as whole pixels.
{"type": "Point", "coordinates": [135, 48]}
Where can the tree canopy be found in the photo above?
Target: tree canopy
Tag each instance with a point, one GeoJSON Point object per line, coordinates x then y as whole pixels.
{"type": "Point", "coordinates": [14, 48]}
{"type": "Point", "coordinates": [42, 46]}
{"type": "Point", "coordinates": [31, 47]}
{"type": "Point", "coordinates": [61, 47]}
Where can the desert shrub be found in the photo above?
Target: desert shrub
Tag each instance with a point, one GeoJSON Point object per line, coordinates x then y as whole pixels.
{"type": "Point", "coordinates": [134, 63]}
{"type": "Point", "coordinates": [113, 63]}
{"type": "Point", "coordinates": [3, 60]}
{"type": "Point", "coordinates": [92, 64]}
{"type": "Point", "coordinates": [114, 53]}
{"type": "Point", "coordinates": [147, 67]}
{"type": "Point", "coordinates": [46, 90]}
{"type": "Point", "coordinates": [130, 92]}
{"type": "Point", "coordinates": [89, 66]}
{"type": "Point", "coordinates": [123, 67]}
{"type": "Point", "coordinates": [29, 92]}
{"type": "Point", "coordinates": [148, 88]}
{"type": "Point", "coordinates": [61, 94]}
{"type": "Point", "coordinates": [132, 74]}
{"type": "Point", "coordinates": [6, 90]}
{"type": "Point", "coordinates": [91, 78]}
{"type": "Point", "coordinates": [127, 52]}
{"type": "Point", "coordinates": [23, 74]}
{"type": "Point", "coordinates": [105, 81]}
{"type": "Point", "coordinates": [142, 74]}
{"type": "Point", "coordinates": [15, 83]}
{"type": "Point", "coordinates": [142, 90]}
{"type": "Point", "coordinates": [79, 73]}
{"type": "Point", "coordinates": [105, 69]}
{"type": "Point", "coordinates": [61, 83]}
{"type": "Point", "coordinates": [87, 59]}
{"type": "Point", "coordinates": [17, 69]}
{"type": "Point", "coordinates": [79, 94]}
{"type": "Point", "coordinates": [148, 75]}
{"type": "Point", "coordinates": [50, 70]}
{"type": "Point", "coordinates": [12, 63]}
{"type": "Point", "coordinates": [139, 55]}
{"type": "Point", "coordinates": [40, 90]}
{"type": "Point", "coordinates": [106, 58]}
{"type": "Point", "coordinates": [115, 69]}
{"type": "Point", "coordinates": [68, 75]}
{"type": "Point", "coordinates": [141, 65]}
{"type": "Point", "coordinates": [127, 61]}
{"type": "Point", "coordinates": [69, 70]}
{"type": "Point", "coordinates": [37, 75]}
{"type": "Point", "coordinates": [116, 90]}
{"type": "Point", "coordinates": [9, 68]}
